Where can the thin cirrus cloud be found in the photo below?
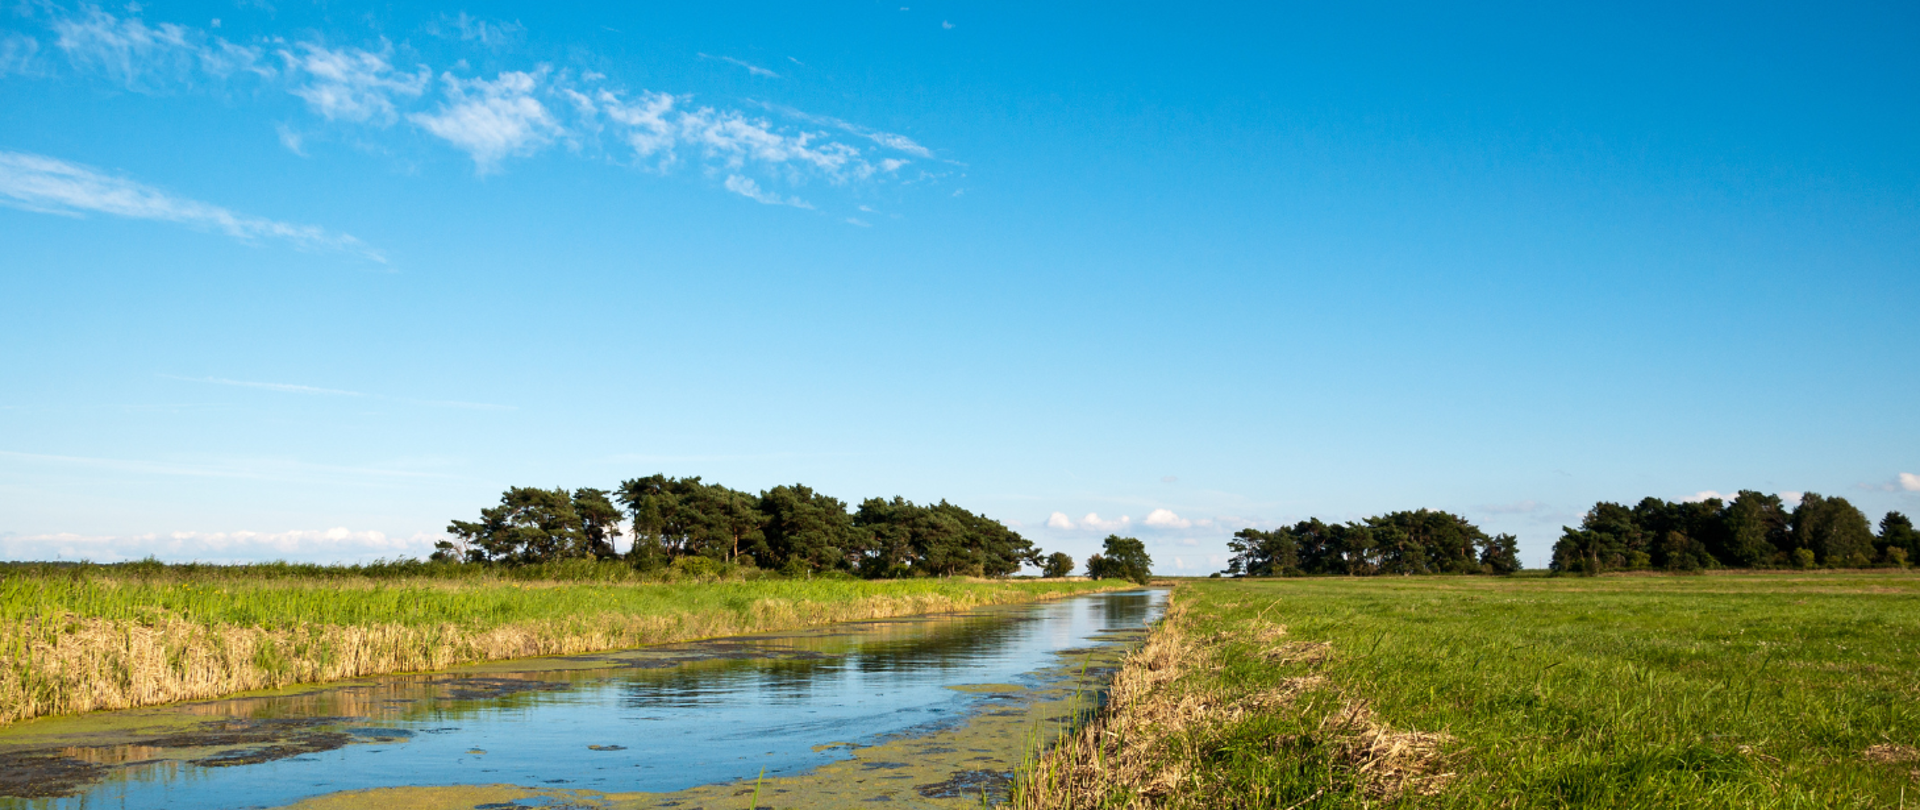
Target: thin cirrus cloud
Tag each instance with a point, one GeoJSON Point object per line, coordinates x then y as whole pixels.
{"type": "Point", "coordinates": [289, 388]}
{"type": "Point", "coordinates": [53, 186]}
{"type": "Point", "coordinates": [745, 187]}
{"type": "Point", "coordinates": [19, 55]}
{"type": "Point", "coordinates": [151, 58]}
{"type": "Point", "coordinates": [751, 67]}
{"type": "Point", "coordinates": [514, 114]}
{"type": "Point", "coordinates": [252, 469]}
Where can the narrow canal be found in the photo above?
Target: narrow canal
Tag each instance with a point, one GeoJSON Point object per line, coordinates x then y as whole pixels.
{"type": "Point", "coordinates": [931, 711]}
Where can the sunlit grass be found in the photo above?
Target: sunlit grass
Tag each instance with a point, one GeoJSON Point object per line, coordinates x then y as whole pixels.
{"type": "Point", "coordinates": [1755, 690]}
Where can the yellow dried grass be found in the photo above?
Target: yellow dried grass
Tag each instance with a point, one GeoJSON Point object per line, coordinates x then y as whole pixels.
{"type": "Point", "coordinates": [1142, 750]}
{"type": "Point", "coordinates": [89, 664]}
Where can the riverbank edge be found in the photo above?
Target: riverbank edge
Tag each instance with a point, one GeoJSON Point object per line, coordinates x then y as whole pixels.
{"type": "Point", "coordinates": [1169, 714]}
{"type": "Point", "coordinates": [93, 664]}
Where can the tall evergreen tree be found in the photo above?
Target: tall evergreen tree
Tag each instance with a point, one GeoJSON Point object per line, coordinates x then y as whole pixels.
{"type": "Point", "coordinates": [808, 530]}
{"type": "Point", "coordinates": [1755, 527]}
{"type": "Point", "coordinates": [1896, 532]}
{"type": "Point", "coordinates": [531, 525]}
{"type": "Point", "coordinates": [1836, 532]}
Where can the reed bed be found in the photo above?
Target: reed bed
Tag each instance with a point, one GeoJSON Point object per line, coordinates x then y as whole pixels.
{"type": "Point", "coordinates": [1783, 690]}
{"type": "Point", "coordinates": [78, 639]}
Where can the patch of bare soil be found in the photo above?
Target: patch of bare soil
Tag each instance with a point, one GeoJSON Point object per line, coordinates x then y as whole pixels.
{"type": "Point", "coordinates": [42, 775]}
{"type": "Point", "coordinates": [970, 785]}
{"type": "Point", "coordinates": [1895, 754]}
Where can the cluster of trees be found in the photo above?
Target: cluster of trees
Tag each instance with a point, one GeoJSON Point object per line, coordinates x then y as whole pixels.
{"type": "Point", "coordinates": [1120, 558]}
{"type": "Point", "coordinates": [1418, 542]}
{"type": "Point", "coordinates": [789, 528]}
{"type": "Point", "coordinates": [1751, 531]}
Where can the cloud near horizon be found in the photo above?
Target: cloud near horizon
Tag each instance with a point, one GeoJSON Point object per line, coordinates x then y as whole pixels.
{"type": "Point", "coordinates": [50, 185]}
{"type": "Point", "coordinates": [1166, 519]}
{"type": "Point", "coordinates": [1092, 522]}
{"type": "Point", "coordinates": [336, 545]}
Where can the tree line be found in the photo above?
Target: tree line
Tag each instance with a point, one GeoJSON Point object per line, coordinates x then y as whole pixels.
{"type": "Point", "coordinates": [1417, 542]}
{"type": "Point", "coordinates": [1751, 531]}
{"type": "Point", "coordinates": [791, 529]}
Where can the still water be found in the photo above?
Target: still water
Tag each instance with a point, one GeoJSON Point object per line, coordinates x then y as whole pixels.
{"type": "Point", "coordinates": [655, 719]}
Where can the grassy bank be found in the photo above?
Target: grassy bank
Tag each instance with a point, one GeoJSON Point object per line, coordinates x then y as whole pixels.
{"type": "Point", "coordinates": [76, 639]}
{"type": "Point", "coordinates": [1765, 690]}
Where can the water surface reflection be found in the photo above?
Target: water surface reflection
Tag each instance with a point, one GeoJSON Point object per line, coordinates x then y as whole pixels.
{"type": "Point", "coordinates": [656, 719]}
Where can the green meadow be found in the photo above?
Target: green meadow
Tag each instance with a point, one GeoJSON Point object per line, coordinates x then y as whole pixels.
{"type": "Point", "coordinates": [1765, 690]}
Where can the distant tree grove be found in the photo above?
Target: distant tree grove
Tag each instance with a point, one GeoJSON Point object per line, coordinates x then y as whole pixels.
{"type": "Point", "coordinates": [1751, 531]}
{"type": "Point", "coordinates": [792, 529]}
{"type": "Point", "coordinates": [1418, 542]}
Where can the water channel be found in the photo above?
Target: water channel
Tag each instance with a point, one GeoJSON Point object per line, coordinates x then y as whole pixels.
{"type": "Point", "coordinates": [929, 711]}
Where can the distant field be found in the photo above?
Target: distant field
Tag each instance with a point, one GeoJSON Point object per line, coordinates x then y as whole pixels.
{"type": "Point", "coordinates": [1765, 690]}
{"type": "Point", "coordinates": [81, 638]}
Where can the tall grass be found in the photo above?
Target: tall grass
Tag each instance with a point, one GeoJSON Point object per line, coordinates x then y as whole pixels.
{"type": "Point", "coordinates": [1764, 690]}
{"type": "Point", "coordinates": [82, 638]}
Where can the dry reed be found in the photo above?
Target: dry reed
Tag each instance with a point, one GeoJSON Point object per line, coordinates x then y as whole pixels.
{"type": "Point", "coordinates": [1167, 712]}
{"type": "Point", "coordinates": [67, 663]}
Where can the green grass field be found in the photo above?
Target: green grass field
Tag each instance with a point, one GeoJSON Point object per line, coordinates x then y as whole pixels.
{"type": "Point", "coordinates": [273, 597]}
{"type": "Point", "coordinates": [1789, 690]}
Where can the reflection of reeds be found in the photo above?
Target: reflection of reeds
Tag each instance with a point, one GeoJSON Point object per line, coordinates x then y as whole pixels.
{"type": "Point", "coordinates": [83, 643]}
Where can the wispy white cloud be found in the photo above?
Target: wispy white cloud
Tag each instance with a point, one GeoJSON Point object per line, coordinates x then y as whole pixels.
{"type": "Point", "coordinates": [339, 544]}
{"type": "Point", "coordinates": [351, 84]}
{"type": "Point", "coordinates": [147, 58]}
{"type": "Point", "coordinates": [856, 221]}
{"type": "Point", "coordinates": [293, 141]}
{"type": "Point", "coordinates": [513, 114]}
{"type": "Point", "coordinates": [491, 33]}
{"type": "Point", "coordinates": [1515, 508]}
{"type": "Point", "coordinates": [898, 143]}
{"type": "Point", "coordinates": [1059, 520]}
{"type": "Point", "coordinates": [267, 386]}
{"type": "Point", "coordinates": [1910, 482]}
{"type": "Point", "coordinates": [1094, 522]}
{"type": "Point", "coordinates": [1793, 499]}
{"type": "Point", "coordinates": [19, 54]}
{"type": "Point", "coordinates": [491, 120]}
{"type": "Point", "coordinates": [745, 187]}
{"type": "Point", "coordinates": [751, 68]}
{"type": "Point", "coordinates": [255, 469]}
{"type": "Point", "coordinates": [54, 186]}
{"type": "Point", "coordinates": [289, 388]}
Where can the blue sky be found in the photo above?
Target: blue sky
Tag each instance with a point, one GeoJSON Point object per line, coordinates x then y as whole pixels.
{"type": "Point", "coordinates": [307, 281]}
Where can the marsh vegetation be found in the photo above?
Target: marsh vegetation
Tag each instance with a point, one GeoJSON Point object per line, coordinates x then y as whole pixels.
{"type": "Point", "coordinates": [78, 638]}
